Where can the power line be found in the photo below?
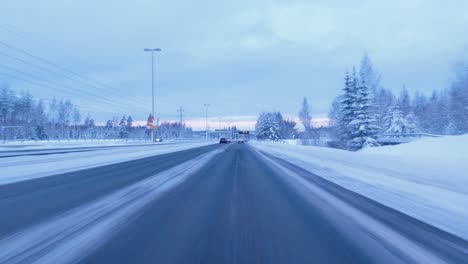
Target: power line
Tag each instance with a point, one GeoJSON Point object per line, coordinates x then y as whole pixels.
{"type": "Point", "coordinates": [37, 66]}
{"type": "Point", "coordinates": [89, 94]}
{"type": "Point", "coordinates": [88, 109]}
{"type": "Point", "coordinates": [114, 91]}
{"type": "Point", "coordinates": [109, 88]}
{"type": "Point", "coordinates": [38, 84]}
{"type": "Point", "coordinates": [65, 91]}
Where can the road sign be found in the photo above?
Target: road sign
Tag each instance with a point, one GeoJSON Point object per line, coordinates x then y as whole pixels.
{"type": "Point", "coordinates": [150, 121]}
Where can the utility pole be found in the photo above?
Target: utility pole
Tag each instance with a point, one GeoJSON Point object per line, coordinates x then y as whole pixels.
{"type": "Point", "coordinates": [181, 114]}
{"type": "Point", "coordinates": [152, 87]}
{"type": "Point", "coordinates": [206, 119]}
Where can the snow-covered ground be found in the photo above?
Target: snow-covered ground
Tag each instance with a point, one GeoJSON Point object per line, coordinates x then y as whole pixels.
{"type": "Point", "coordinates": [426, 179]}
{"type": "Point", "coordinates": [56, 144]}
{"type": "Point", "coordinates": [22, 168]}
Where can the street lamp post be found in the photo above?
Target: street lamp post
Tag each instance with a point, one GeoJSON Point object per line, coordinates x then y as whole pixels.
{"type": "Point", "coordinates": [152, 86]}
{"type": "Point", "coordinates": [206, 119]}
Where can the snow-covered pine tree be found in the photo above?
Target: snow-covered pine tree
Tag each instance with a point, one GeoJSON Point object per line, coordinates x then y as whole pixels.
{"type": "Point", "coordinates": [459, 102]}
{"type": "Point", "coordinates": [362, 128]}
{"type": "Point", "coordinates": [259, 126]}
{"type": "Point", "coordinates": [384, 100]}
{"type": "Point", "coordinates": [269, 126]}
{"type": "Point", "coordinates": [123, 133]}
{"type": "Point", "coordinates": [129, 121]}
{"type": "Point", "coordinates": [396, 122]}
{"type": "Point", "coordinates": [130, 129]}
{"type": "Point", "coordinates": [419, 107]}
{"type": "Point", "coordinates": [371, 77]}
{"type": "Point", "coordinates": [278, 125]}
{"type": "Point", "coordinates": [334, 117]}
{"type": "Point", "coordinates": [435, 118]}
{"type": "Point", "coordinates": [405, 101]}
{"type": "Point", "coordinates": [347, 110]}
{"type": "Point", "coordinates": [441, 114]}
{"type": "Point", "coordinates": [108, 129]}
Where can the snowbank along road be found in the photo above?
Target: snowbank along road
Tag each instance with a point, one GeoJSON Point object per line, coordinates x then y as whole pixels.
{"type": "Point", "coordinates": [211, 204]}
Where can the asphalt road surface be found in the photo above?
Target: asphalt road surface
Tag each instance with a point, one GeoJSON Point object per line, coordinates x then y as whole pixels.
{"type": "Point", "coordinates": [214, 204]}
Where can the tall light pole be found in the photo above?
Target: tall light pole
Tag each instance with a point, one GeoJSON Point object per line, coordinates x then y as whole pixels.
{"type": "Point", "coordinates": [206, 119]}
{"type": "Point", "coordinates": [152, 86]}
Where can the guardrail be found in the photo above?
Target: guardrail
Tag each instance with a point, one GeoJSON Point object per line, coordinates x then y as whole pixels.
{"type": "Point", "coordinates": [394, 139]}
{"type": "Point", "coordinates": [409, 135]}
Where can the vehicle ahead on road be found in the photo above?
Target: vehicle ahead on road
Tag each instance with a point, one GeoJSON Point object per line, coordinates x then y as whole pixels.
{"type": "Point", "coordinates": [241, 140]}
{"type": "Point", "coordinates": [223, 141]}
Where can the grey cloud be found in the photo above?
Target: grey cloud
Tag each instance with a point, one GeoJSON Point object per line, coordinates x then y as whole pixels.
{"type": "Point", "coordinates": [241, 56]}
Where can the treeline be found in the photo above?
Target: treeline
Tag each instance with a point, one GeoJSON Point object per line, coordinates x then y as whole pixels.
{"type": "Point", "coordinates": [174, 130]}
{"type": "Point", "coordinates": [124, 129]}
{"type": "Point", "coordinates": [22, 117]}
{"type": "Point", "coordinates": [366, 109]}
{"type": "Point", "coordinates": [272, 125]}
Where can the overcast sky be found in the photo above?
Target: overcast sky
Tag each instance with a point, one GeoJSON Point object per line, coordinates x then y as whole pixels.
{"type": "Point", "coordinates": [242, 56]}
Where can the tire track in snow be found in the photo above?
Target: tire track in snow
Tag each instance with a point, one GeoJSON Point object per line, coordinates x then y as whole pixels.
{"type": "Point", "coordinates": [75, 234]}
{"type": "Point", "coordinates": [396, 242]}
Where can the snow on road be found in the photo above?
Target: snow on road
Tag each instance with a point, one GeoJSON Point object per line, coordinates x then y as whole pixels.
{"type": "Point", "coordinates": [75, 234]}
{"type": "Point", "coordinates": [70, 144]}
{"type": "Point", "coordinates": [426, 179]}
{"type": "Point", "coordinates": [16, 169]}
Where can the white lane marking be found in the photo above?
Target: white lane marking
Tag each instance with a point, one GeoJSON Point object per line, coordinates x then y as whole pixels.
{"type": "Point", "coordinates": [406, 247]}
{"type": "Point", "coordinates": [73, 235]}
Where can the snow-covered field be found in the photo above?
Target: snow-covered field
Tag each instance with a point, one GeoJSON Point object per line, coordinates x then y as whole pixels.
{"type": "Point", "coordinates": [29, 167]}
{"type": "Point", "coordinates": [426, 179]}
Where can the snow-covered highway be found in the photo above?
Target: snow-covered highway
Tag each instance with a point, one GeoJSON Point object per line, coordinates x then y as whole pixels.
{"type": "Point", "coordinates": [48, 151]}
{"type": "Point", "coordinates": [45, 162]}
{"type": "Point", "coordinates": [208, 204]}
